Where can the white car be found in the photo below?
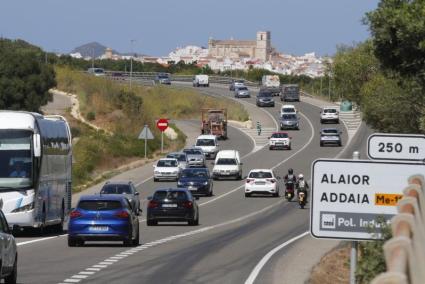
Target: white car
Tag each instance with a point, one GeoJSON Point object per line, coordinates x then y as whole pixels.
{"type": "Point", "coordinates": [166, 169]}
{"type": "Point", "coordinates": [208, 144]}
{"type": "Point", "coordinates": [261, 181]}
{"type": "Point", "coordinates": [227, 165]}
{"type": "Point", "coordinates": [288, 109]}
{"type": "Point", "coordinates": [280, 140]}
{"type": "Point", "coordinates": [329, 114]}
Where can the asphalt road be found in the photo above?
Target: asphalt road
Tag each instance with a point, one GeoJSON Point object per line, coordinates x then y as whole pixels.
{"type": "Point", "coordinates": [234, 232]}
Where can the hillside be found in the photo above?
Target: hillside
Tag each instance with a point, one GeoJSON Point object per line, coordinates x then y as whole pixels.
{"type": "Point", "coordinates": [87, 50]}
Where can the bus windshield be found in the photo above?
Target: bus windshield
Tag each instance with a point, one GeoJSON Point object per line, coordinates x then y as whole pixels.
{"type": "Point", "coordinates": [15, 159]}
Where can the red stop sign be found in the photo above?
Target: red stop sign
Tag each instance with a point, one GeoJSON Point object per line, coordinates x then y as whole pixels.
{"type": "Point", "coordinates": [162, 124]}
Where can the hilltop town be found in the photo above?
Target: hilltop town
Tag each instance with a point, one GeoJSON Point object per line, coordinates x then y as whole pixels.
{"type": "Point", "coordinates": [232, 54]}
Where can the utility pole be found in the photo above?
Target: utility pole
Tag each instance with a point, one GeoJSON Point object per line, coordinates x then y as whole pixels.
{"type": "Point", "coordinates": [92, 58]}
{"type": "Point", "coordinates": [131, 62]}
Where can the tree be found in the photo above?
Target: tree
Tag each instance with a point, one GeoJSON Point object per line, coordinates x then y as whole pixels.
{"type": "Point", "coordinates": [398, 30]}
{"type": "Point", "coordinates": [24, 79]}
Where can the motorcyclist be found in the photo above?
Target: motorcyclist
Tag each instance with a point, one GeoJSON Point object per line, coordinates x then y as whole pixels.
{"type": "Point", "coordinates": [290, 177]}
{"type": "Point", "coordinates": [302, 186]}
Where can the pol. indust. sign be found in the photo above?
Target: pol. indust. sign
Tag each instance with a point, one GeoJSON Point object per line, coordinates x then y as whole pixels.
{"type": "Point", "coordinates": [349, 196]}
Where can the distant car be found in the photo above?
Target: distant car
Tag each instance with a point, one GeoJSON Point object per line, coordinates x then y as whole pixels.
{"type": "Point", "coordinates": [290, 121]}
{"type": "Point", "coordinates": [107, 217]}
{"type": "Point", "coordinates": [290, 92]}
{"type": "Point", "coordinates": [227, 164]}
{"type": "Point", "coordinates": [265, 98]}
{"type": "Point", "coordinates": [236, 84]}
{"type": "Point", "coordinates": [261, 181]}
{"type": "Point", "coordinates": [195, 156]}
{"type": "Point", "coordinates": [163, 78]}
{"type": "Point", "coordinates": [330, 136]}
{"type": "Point", "coordinates": [280, 140]}
{"type": "Point", "coordinates": [329, 114]}
{"type": "Point", "coordinates": [96, 71]}
{"type": "Point", "coordinates": [197, 181]}
{"type": "Point", "coordinates": [201, 80]}
{"type": "Point", "coordinates": [242, 92]}
{"type": "Point", "coordinates": [172, 205]}
{"type": "Point", "coordinates": [288, 109]}
{"type": "Point", "coordinates": [123, 187]}
{"type": "Point", "coordinates": [208, 144]}
{"type": "Point", "coordinates": [181, 158]}
{"type": "Point", "coordinates": [8, 252]}
{"type": "Point", "coordinates": [166, 169]}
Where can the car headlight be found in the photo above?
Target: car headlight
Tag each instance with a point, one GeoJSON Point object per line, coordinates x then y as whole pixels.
{"type": "Point", "coordinates": [27, 207]}
{"type": "Point", "coordinates": [179, 183]}
{"type": "Point", "coordinates": [156, 172]}
{"type": "Point", "coordinates": [205, 183]}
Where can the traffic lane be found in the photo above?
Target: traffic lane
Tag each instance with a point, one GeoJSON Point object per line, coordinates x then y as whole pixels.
{"type": "Point", "coordinates": [221, 256]}
{"type": "Point", "coordinates": [82, 257]}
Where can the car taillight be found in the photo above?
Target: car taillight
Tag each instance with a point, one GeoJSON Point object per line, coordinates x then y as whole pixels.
{"type": "Point", "coordinates": [272, 180]}
{"type": "Point", "coordinates": [122, 214]}
{"type": "Point", "coordinates": [249, 180]}
{"type": "Point", "coordinates": [75, 214]}
{"type": "Point", "coordinates": [188, 204]}
{"type": "Point", "coordinates": [153, 204]}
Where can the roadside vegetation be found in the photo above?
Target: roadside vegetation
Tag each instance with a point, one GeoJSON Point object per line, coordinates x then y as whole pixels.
{"type": "Point", "coordinates": [124, 112]}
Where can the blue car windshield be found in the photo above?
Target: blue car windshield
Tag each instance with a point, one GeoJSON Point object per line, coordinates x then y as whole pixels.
{"type": "Point", "coordinates": [194, 174]}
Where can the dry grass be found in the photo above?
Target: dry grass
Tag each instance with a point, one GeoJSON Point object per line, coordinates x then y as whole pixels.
{"type": "Point", "coordinates": [333, 268]}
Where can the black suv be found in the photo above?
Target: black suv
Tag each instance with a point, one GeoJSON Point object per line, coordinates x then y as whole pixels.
{"type": "Point", "coordinates": [172, 205]}
{"type": "Point", "coordinates": [123, 187]}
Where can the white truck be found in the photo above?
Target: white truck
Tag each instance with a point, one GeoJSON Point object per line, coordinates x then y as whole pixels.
{"type": "Point", "coordinates": [271, 83]}
{"type": "Point", "coordinates": [201, 80]}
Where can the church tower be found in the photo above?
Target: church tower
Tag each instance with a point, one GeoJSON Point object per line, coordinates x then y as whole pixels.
{"type": "Point", "coordinates": [263, 48]}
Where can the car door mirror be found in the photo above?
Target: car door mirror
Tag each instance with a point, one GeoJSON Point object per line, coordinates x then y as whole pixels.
{"type": "Point", "coordinates": [149, 198]}
{"type": "Point", "coordinates": [136, 193]}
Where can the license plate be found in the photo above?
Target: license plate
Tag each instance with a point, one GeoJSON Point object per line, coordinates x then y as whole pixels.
{"type": "Point", "coordinates": [260, 183]}
{"type": "Point", "coordinates": [169, 205]}
{"type": "Point", "coordinates": [99, 228]}
{"type": "Point", "coordinates": [192, 188]}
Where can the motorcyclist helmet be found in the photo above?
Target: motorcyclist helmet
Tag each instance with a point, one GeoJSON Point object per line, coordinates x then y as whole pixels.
{"type": "Point", "coordinates": [290, 171]}
{"type": "Point", "coordinates": [301, 176]}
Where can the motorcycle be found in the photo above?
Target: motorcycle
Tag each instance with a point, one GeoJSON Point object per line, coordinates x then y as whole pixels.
{"type": "Point", "coordinates": [301, 199]}
{"type": "Point", "coordinates": [289, 191]}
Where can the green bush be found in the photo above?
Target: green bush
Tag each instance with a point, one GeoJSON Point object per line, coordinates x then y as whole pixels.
{"type": "Point", "coordinates": [91, 116]}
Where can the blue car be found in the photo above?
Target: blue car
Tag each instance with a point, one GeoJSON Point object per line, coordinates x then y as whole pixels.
{"type": "Point", "coordinates": [106, 217]}
{"type": "Point", "coordinates": [197, 180]}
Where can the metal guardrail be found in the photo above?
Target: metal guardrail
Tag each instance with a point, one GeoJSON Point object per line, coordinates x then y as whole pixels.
{"type": "Point", "coordinates": [405, 251]}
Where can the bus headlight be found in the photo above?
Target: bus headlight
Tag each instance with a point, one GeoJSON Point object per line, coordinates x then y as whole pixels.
{"type": "Point", "coordinates": [27, 207]}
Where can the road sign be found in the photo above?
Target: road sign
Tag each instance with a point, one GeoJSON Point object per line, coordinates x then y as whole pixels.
{"type": "Point", "coordinates": [162, 124]}
{"type": "Point", "coordinates": [349, 196]}
{"type": "Point", "coordinates": [403, 147]}
{"type": "Point", "coordinates": [146, 133]}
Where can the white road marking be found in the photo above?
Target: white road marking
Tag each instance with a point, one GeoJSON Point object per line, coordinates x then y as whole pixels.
{"type": "Point", "coordinates": [269, 255]}
{"type": "Point", "coordinates": [39, 240]}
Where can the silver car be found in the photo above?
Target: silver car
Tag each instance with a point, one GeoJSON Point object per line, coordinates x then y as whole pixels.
{"type": "Point", "coordinates": [330, 136]}
{"type": "Point", "coordinates": [181, 158]}
{"type": "Point", "coordinates": [195, 156]}
{"type": "Point", "coordinates": [8, 252]}
{"type": "Point", "coordinates": [242, 92]}
{"type": "Point", "coordinates": [290, 121]}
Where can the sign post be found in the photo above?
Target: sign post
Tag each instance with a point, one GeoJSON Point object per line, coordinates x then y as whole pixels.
{"type": "Point", "coordinates": [402, 147]}
{"type": "Point", "coordinates": [162, 125]}
{"type": "Point", "coordinates": [147, 135]}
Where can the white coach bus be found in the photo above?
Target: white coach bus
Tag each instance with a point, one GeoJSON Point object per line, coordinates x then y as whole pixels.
{"type": "Point", "coordinates": [35, 169]}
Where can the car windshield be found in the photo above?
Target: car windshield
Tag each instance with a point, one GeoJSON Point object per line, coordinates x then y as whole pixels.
{"type": "Point", "coordinates": [330, 132]}
{"type": "Point", "coordinates": [265, 95]}
{"type": "Point", "coordinates": [194, 173]}
{"type": "Point", "coordinates": [329, 110]}
{"type": "Point", "coordinates": [99, 205]}
{"type": "Point", "coordinates": [260, 175]}
{"type": "Point", "coordinates": [116, 189]}
{"type": "Point", "coordinates": [288, 109]}
{"type": "Point", "coordinates": [291, 89]}
{"type": "Point", "coordinates": [242, 89]}
{"type": "Point", "coordinates": [15, 159]}
{"type": "Point", "coordinates": [279, 135]}
{"type": "Point", "coordinates": [289, 117]}
{"type": "Point", "coordinates": [226, 161]}
{"type": "Point", "coordinates": [163, 76]}
{"type": "Point", "coordinates": [179, 157]}
{"type": "Point", "coordinates": [205, 142]}
{"type": "Point", "coordinates": [193, 152]}
{"type": "Point", "coordinates": [167, 163]}
{"type": "Point", "coordinates": [169, 195]}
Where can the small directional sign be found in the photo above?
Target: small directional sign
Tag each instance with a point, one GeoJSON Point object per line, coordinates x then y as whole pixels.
{"type": "Point", "coordinates": [146, 133]}
{"type": "Point", "coordinates": [402, 147]}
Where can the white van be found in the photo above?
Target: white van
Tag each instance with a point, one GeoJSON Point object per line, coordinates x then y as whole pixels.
{"type": "Point", "coordinates": [201, 80]}
{"type": "Point", "coordinates": [208, 144]}
{"type": "Point", "coordinates": [288, 109]}
{"type": "Point", "coordinates": [227, 165]}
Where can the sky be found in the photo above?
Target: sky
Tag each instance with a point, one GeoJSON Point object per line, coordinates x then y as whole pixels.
{"type": "Point", "coordinates": [158, 27]}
